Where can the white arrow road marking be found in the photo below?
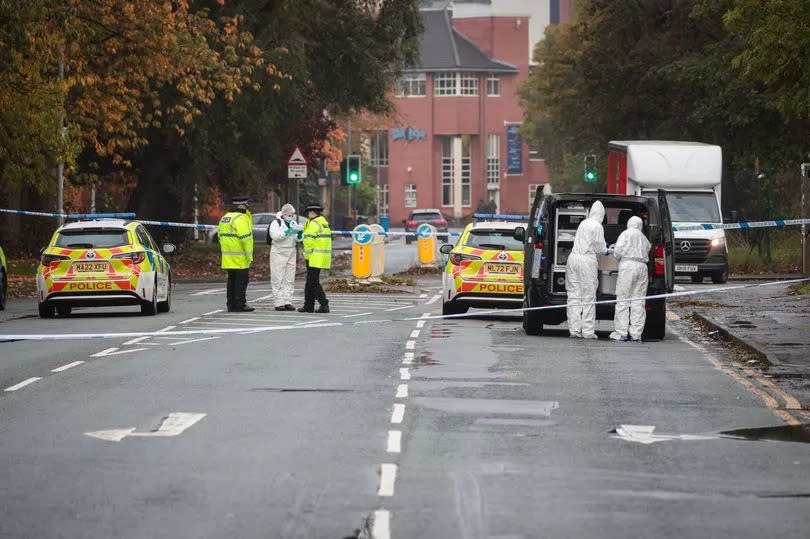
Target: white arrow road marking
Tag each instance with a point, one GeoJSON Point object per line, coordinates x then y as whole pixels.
{"type": "Point", "coordinates": [115, 352]}
{"type": "Point", "coordinates": [174, 424]}
{"type": "Point", "coordinates": [643, 434]}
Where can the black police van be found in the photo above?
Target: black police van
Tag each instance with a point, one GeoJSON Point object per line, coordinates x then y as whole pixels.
{"type": "Point", "coordinates": [550, 236]}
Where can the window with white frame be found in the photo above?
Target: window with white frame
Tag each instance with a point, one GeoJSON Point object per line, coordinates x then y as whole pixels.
{"type": "Point", "coordinates": [412, 85]}
{"type": "Point", "coordinates": [493, 85]}
{"type": "Point", "coordinates": [445, 83]}
{"type": "Point", "coordinates": [493, 160]}
{"type": "Point", "coordinates": [468, 83]}
{"type": "Point", "coordinates": [382, 198]}
{"type": "Point", "coordinates": [532, 188]}
{"type": "Point", "coordinates": [410, 195]}
{"type": "Point", "coordinates": [447, 171]}
{"type": "Point", "coordinates": [466, 175]}
{"type": "Point", "coordinates": [379, 148]}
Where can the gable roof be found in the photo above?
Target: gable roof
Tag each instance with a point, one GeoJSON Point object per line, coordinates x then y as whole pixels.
{"type": "Point", "coordinates": [443, 48]}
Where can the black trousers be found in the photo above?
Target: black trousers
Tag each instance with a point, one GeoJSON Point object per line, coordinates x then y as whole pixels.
{"type": "Point", "coordinates": [237, 286]}
{"type": "Point", "coordinates": [313, 289]}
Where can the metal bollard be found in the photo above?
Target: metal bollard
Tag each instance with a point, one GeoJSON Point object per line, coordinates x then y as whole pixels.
{"type": "Point", "coordinates": [361, 251]}
{"type": "Point", "coordinates": [426, 235]}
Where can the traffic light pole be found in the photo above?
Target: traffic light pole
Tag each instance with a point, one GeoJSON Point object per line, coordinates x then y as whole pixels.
{"type": "Point", "coordinates": [348, 152]}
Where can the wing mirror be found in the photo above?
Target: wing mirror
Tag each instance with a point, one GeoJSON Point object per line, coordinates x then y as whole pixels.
{"type": "Point", "coordinates": [446, 249]}
{"type": "Point", "coordinates": [519, 234]}
{"type": "Point", "coordinates": [168, 248]}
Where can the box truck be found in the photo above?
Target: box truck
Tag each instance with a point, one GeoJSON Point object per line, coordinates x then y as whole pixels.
{"type": "Point", "coordinates": [691, 174]}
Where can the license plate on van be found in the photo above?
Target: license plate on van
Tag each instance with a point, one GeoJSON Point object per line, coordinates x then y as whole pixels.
{"type": "Point", "coordinates": [686, 269]}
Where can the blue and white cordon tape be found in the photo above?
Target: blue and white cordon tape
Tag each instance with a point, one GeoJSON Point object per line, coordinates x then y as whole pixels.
{"type": "Point", "coordinates": [743, 225]}
{"type": "Point", "coordinates": [70, 215]}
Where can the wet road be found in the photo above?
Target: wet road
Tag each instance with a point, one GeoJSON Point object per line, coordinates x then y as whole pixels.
{"type": "Point", "coordinates": [415, 428]}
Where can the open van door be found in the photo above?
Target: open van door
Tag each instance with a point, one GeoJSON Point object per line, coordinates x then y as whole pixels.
{"type": "Point", "coordinates": [534, 276]}
{"type": "Point", "coordinates": [669, 242]}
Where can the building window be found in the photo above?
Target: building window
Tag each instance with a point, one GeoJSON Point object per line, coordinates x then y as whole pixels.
{"type": "Point", "coordinates": [493, 85]}
{"type": "Point", "coordinates": [412, 85]}
{"type": "Point", "coordinates": [447, 171]}
{"type": "Point", "coordinates": [410, 195]}
{"type": "Point", "coordinates": [554, 12]}
{"type": "Point", "coordinates": [455, 84]}
{"type": "Point", "coordinates": [382, 198]}
{"type": "Point", "coordinates": [494, 160]}
{"type": "Point", "coordinates": [532, 188]}
{"type": "Point", "coordinates": [379, 148]}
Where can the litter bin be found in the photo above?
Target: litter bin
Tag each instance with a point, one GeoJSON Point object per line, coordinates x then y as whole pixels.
{"type": "Point", "coordinates": [385, 222]}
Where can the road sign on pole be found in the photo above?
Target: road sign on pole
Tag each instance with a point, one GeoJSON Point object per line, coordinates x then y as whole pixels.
{"type": "Point", "coordinates": [297, 165]}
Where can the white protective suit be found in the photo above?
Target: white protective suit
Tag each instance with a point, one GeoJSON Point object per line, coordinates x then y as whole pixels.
{"type": "Point", "coordinates": [282, 261]}
{"type": "Point", "coordinates": [632, 251]}
{"type": "Point", "coordinates": [582, 273]}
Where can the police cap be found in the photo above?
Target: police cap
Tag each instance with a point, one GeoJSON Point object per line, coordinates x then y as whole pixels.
{"type": "Point", "coordinates": [314, 207]}
{"type": "Point", "coordinates": [240, 200]}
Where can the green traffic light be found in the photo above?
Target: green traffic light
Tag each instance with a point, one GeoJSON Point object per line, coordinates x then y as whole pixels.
{"type": "Point", "coordinates": [353, 176]}
{"type": "Point", "coordinates": [590, 175]}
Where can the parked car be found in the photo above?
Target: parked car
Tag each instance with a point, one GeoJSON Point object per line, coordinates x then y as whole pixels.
{"type": "Point", "coordinates": [260, 223]}
{"type": "Point", "coordinates": [103, 263]}
{"type": "Point", "coordinates": [430, 216]}
{"type": "Point", "coordinates": [3, 280]}
{"type": "Point", "coordinates": [548, 240]}
{"type": "Point", "coordinates": [485, 268]}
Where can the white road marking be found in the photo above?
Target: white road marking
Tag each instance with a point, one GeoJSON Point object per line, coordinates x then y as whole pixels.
{"type": "Point", "coordinates": [133, 341]}
{"type": "Point", "coordinates": [311, 322]}
{"type": "Point", "coordinates": [402, 391]}
{"type": "Point", "coordinates": [434, 299]}
{"type": "Point", "coordinates": [404, 373]}
{"type": "Point", "coordinates": [268, 296]}
{"type": "Point", "coordinates": [358, 314]}
{"type": "Point", "coordinates": [189, 320]}
{"type": "Point", "coordinates": [23, 383]}
{"type": "Point", "coordinates": [420, 324]}
{"type": "Point", "coordinates": [209, 292]}
{"type": "Point", "coordinates": [422, 296]}
{"type": "Point", "coordinates": [66, 367]}
{"type": "Point", "coordinates": [213, 312]}
{"type": "Point", "coordinates": [643, 434]}
{"type": "Point", "coordinates": [194, 340]}
{"type": "Point", "coordinates": [398, 308]}
{"type": "Point", "coordinates": [679, 288]}
{"type": "Point", "coordinates": [409, 345]}
{"type": "Point", "coordinates": [382, 525]}
{"type": "Point", "coordinates": [388, 476]}
{"type": "Point", "coordinates": [115, 352]}
{"type": "Point", "coordinates": [415, 334]}
{"type": "Point", "coordinates": [425, 315]}
{"type": "Point", "coordinates": [398, 414]}
{"type": "Point", "coordinates": [174, 424]}
{"type": "Point", "coordinates": [408, 358]}
{"type": "Point", "coordinates": [167, 328]}
{"type": "Point", "coordinates": [394, 441]}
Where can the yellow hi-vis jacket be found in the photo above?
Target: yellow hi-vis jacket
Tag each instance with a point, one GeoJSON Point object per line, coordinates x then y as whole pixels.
{"type": "Point", "coordinates": [318, 243]}
{"type": "Point", "coordinates": [235, 235]}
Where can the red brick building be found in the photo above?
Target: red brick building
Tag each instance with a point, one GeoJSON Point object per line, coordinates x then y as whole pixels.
{"type": "Point", "coordinates": [453, 141]}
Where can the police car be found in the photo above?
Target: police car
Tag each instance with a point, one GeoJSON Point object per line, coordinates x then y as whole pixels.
{"type": "Point", "coordinates": [484, 269]}
{"type": "Point", "coordinates": [103, 263]}
{"type": "Point", "coordinates": [3, 280]}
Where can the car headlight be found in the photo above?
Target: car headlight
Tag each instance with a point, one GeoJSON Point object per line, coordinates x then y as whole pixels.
{"type": "Point", "coordinates": [718, 242]}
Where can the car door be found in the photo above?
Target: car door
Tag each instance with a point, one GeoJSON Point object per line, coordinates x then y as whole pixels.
{"type": "Point", "coordinates": [157, 260]}
{"type": "Point", "coordinates": [536, 235]}
{"type": "Point", "coordinates": [669, 242]}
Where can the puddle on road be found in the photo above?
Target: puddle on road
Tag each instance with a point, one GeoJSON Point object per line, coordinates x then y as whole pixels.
{"type": "Point", "coordinates": [787, 433]}
{"type": "Point", "coordinates": [489, 407]}
{"type": "Point", "coordinates": [425, 359]}
{"type": "Point", "coordinates": [516, 422]}
{"type": "Point", "coordinates": [742, 324]}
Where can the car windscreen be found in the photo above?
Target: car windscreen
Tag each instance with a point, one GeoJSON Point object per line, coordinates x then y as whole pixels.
{"type": "Point", "coordinates": [693, 207]}
{"type": "Point", "coordinates": [432, 216]}
{"type": "Point", "coordinates": [92, 238]}
{"type": "Point", "coordinates": [501, 240]}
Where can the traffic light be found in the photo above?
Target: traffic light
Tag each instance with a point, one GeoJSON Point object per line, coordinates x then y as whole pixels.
{"type": "Point", "coordinates": [353, 173]}
{"type": "Point", "coordinates": [590, 168]}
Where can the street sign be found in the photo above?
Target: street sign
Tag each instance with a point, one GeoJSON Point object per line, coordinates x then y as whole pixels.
{"type": "Point", "coordinates": [362, 234]}
{"type": "Point", "coordinates": [425, 231]}
{"type": "Point", "coordinates": [297, 165]}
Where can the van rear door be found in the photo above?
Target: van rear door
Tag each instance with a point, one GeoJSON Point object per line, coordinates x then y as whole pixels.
{"type": "Point", "coordinates": [669, 242]}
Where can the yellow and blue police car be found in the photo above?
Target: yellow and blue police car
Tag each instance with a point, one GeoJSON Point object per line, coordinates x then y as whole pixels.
{"type": "Point", "coordinates": [107, 262]}
{"type": "Point", "coordinates": [484, 269]}
{"type": "Point", "coordinates": [3, 280]}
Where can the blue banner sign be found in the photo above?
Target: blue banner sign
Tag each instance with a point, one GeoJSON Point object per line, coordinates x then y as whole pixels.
{"type": "Point", "coordinates": [514, 156]}
{"type": "Point", "coordinates": [408, 134]}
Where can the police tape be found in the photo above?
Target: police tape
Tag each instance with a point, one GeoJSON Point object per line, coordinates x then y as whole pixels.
{"type": "Point", "coordinates": [742, 225]}
{"type": "Point", "coordinates": [477, 313]}
{"type": "Point", "coordinates": [124, 215]}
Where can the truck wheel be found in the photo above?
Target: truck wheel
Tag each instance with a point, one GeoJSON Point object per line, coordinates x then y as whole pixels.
{"type": "Point", "coordinates": [45, 310]}
{"type": "Point", "coordinates": [532, 321]}
{"type": "Point", "coordinates": [720, 277]}
{"type": "Point", "coordinates": [697, 278]}
{"type": "Point", "coordinates": [655, 327]}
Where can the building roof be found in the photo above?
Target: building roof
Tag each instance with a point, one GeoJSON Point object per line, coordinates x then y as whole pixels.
{"type": "Point", "coordinates": [443, 48]}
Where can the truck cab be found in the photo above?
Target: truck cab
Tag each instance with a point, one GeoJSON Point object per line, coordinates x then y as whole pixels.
{"type": "Point", "coordinates": [549, 238]}
{"type": "Point", "coordinates": [691, 174]}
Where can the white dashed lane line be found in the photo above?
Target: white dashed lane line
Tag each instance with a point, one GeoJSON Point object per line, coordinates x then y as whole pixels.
{"type": "Point", "coordinates": [63, 368]}
{"type": "Point", "coordinates": [402, 391]}
{"type": "Point", "coordinates": [398, 414]}
{"type": "Point", "coordinates": [394, 441]}
{"type": "Point", "coordinates": [24, 383]}
{"type": "Point", "coordinates": [404, 374]}
{"type": "Point", "coordinates": [388, 476]}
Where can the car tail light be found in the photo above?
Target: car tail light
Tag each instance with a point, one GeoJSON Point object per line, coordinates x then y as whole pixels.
{"type": "Point", "coordinates": [441, 222]}
{"type": "Point", "coordinates": [47, 260]}
{"type": "Point", "coordinates": [659, 260]}
{"type": "Point", "coordinates": [411, 223]}
{"type": "Point", "coordinates": [135, 257]}
{"type": "Point", "coordinates": [457, 258]}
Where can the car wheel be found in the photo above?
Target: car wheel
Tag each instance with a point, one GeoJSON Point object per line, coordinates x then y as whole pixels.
{"type": "Point", "coordinates": [697, 278]}
{"type": "Point", "coordinates": [408, 240]}
{"type": "Point", "coordinates": [3, 291]}
{"type": "Point", "coordinates": [655, 327]}
{"type": "Point", "coordinates": [45, 310]}
{"type": "Point", "coordinates": [63, 310]}
{"type": "Point", "coordinates": [165, 306]}
{"type": "Point", "coordinates": [532, 321]}
{"type": "Point", "coordinates": [451, 307]}
{"type": "Point", "coordinates": [149, 308]}
{"type": "Point", "coordinates": [720, 277]}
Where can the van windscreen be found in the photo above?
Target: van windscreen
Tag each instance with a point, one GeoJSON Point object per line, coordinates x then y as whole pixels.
{"type": "Point", "coordinates": [693, 207]}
